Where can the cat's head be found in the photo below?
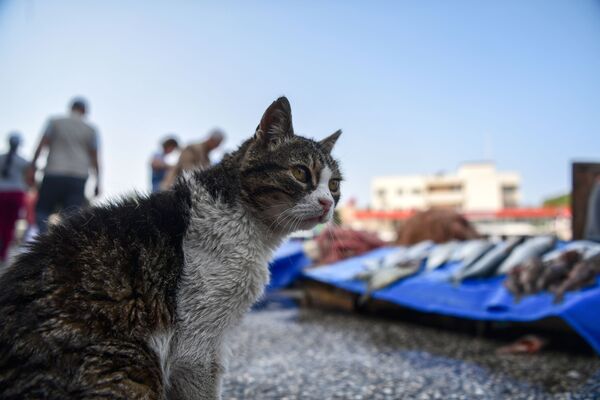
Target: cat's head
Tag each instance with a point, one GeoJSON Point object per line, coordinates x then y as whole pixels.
{"type": "Point", "coordinates": [290, 182]}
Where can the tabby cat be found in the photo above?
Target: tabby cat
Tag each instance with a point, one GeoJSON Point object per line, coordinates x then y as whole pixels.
{"type": "Point", "coordinates": [133, 300]}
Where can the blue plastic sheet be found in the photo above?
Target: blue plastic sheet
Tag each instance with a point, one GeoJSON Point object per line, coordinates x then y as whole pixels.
{"type": "Point", "coordinates": [479, 299]}
{"type": "Point", "coordinates": [287, 265]}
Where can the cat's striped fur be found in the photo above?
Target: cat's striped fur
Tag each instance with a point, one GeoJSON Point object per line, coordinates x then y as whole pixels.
{"type": "Point", "coordinates": [134, 299]}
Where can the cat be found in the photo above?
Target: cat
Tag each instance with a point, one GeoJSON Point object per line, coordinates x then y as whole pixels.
{"type": "Point", "coordinates": [134, 299]}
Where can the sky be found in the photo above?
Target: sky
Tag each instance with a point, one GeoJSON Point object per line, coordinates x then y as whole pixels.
{"type": "Point", "coordinates": [418, 87]}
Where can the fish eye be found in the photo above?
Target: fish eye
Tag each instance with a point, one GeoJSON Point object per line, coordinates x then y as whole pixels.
{"type": "Point", "coordinates": [301, 173]}
{"type": "Point", "coordinates": [334, 185]}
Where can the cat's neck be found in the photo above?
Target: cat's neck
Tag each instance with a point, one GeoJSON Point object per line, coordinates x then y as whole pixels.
{"type": "Point", "coordinates": [218, 215]}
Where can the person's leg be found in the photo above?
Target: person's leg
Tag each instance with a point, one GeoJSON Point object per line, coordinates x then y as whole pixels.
{"type": "Point", "coordinates": [49, 197]}
{"type": "Point", "coordinates": [74, 194]}
{"type": "Point", "coordinates": [4, 200]}
{"type": "Point", "coordinates": [11, 205]}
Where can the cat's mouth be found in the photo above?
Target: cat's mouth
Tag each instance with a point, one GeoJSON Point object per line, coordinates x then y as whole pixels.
{"type": "Point", "coordinates": [319, 219]}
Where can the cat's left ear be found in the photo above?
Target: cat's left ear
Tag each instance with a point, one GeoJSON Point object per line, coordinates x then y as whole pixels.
{"type": "Point", "coordinates": [330, 140]}
{"type": "Point", "coordinates": [276, 123]}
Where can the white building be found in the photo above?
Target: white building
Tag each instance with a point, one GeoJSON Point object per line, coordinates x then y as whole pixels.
{"type": "Point", "coordinates": [474, 187]}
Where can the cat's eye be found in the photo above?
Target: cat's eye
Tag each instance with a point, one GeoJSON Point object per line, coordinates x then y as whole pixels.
{"type": "Point", "coordinates": [334, 185]}
{"type": "Point", "coordinates": [301, 173]}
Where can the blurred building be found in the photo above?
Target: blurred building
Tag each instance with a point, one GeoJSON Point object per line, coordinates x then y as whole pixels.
{"type": "Point", "coordinates": [506, 222]}
{"type": "Point", "coordinates": [474, 187]}
{"type": "Point", "coordinates": [488, 198]}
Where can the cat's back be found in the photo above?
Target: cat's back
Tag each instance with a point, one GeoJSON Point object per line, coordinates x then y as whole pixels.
{"type": "Point", "coordinates": [79, 302]}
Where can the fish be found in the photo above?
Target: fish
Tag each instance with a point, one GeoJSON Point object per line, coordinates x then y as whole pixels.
{"type": "Point", "coordinates": [521, 280]}
{"type": "Point", "coordinates": [440, 254]}
{"type": "Point", "coordinates": [513, 282]}
{"type": "Point", "coordinates": [487, 264]}
{"type": "Point", "coordinates": [473, 250]}
{"type": "Point", "coordinates": [419, 251]}
{"type": "Point", "coordinates": [588, 249]}
{"type": "Point", "coordinates": [525, 251]}
{"type": "Point", "coordinates": [531, 270]}
{"type": "Point", "coordinates": [557, 270]}
{"type": "Point", "coordinates": [583, 274]}
{"type": "Point", "coordinates": [459, 249]}
{"type": "Point", "coordinates": [397, 257]}
{"type": "Point", "coordinates": [387, 276]}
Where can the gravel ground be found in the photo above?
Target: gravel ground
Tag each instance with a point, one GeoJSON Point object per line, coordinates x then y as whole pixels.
{"type": "Point", "coordinates": [296, 353]}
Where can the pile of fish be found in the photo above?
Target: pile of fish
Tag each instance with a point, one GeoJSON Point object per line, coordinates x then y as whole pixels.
{"type": "Point", "coordinates": [486, 259]}
{"type": "Point", "coordinates": [571, 268]}
{"type": "Point", "coordinates": [531, 264]}
{"type": "Point", "coordinates": [402, 263]}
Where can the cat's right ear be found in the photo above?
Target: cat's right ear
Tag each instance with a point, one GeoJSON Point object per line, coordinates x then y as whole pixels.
{"type": "Point", "coordinates": [275, 124]}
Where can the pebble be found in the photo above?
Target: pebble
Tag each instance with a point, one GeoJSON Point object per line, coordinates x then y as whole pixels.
{"type": "Point", "coordinates": [310, 354]}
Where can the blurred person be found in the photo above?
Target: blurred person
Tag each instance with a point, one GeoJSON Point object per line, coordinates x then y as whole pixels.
{"type": "Point", "coordinates": [12, 192]}
{"type": "Point", "coordinates": [160, 164]}
{"type": "Point", "coordinates": [592, 223]}
{"type": "Point", "coordinates": [72, 145]}
{"type": "Point", "coordinates": [193, 156]}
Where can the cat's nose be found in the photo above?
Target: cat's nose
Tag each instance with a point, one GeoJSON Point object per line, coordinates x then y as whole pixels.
{"type": "Point", "coordinates": [326, 203]}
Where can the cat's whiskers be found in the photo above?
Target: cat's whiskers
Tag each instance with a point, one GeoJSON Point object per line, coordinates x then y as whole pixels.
{"type": "Point", "coordinates": [278, 219]}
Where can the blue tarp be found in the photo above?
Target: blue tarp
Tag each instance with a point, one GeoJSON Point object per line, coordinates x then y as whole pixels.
{"type": "Point", "coordinates": [479, 299]}
{"type": "Point", "coordinates": [287, 265]}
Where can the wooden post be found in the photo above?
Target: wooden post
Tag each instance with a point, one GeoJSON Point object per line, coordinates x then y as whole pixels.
{"type": "Point", "coordinates": [584, 176]}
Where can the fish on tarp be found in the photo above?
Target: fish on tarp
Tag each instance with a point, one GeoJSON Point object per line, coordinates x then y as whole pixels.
{"type": "Point", "coordinates": [403, 255]}
{"type": "Point", "coordinates": [531, 272]}
{"type": "Point", "coordinates": [459, 249]}
{"type": "Point", "coordinates": [522, 279]}
{"type": "Point", "coordinates": [396, 257]}
{"type": "Point", "coordinates": [557, 270]}
{"type": "Point", "coordinates": [513, 282]}
{"type": "Point", "coordinates": [525, 251]}
{"type": "Point", "coordinates": [586, 248]}
{"type": "Point", "coordinates": [581, 275]}
{"type": "Point", "coordinates": [419, 251]}
{"type": "Point", "coordinates": [387, 276]}
{"type": "Point", "coordinates": [489, 262]}
{"type": "Point", "coordinates": [440, 255]}
{"type": "Point", "coordinates": [474, 250]}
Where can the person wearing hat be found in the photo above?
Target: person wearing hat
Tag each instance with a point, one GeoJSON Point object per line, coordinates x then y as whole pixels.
{"type": "Point", "coordinates": [72, 145]}
{"type": "Point", "coordinates": [12, 192]}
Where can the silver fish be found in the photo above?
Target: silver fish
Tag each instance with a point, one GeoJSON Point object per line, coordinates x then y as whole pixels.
{"type": "Point", "coordinates": [586, 248]}
{"type": "Point", "coordinates": [459, 250]}
{"type": "Point", "coordinates": [473, 250]}
{"type": "Point", "coordinates": [403, 255]}
{"type": "Point", "coordinates": [419, 251]}
{"type": "Point", "coordinates": [441, 254]}
{"type": "Point", "coordinates": [487, 264]}
{"type": "Point", "coordinates": [527, 250]}
{"type": "Point", "coordinates": [397, 257]}
{"type": "Point", "coordinates": [387, 276]}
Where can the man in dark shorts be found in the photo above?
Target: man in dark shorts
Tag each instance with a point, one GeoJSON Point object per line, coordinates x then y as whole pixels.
{"type": "Point", "coordinates": [72, 150]}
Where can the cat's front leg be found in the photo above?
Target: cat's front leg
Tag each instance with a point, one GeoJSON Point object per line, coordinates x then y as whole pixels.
{"type": "Point", "coordinates": [195, 381]}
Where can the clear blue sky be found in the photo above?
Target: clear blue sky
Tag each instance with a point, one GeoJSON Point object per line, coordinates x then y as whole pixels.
{"type": "Point", "coordinates": [417, 87]}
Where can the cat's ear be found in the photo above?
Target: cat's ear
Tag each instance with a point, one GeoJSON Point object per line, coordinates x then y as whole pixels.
{"type": "Point", "coordinates": [330, 140]}
{"type": "Point", "coordinates": [276, 123]}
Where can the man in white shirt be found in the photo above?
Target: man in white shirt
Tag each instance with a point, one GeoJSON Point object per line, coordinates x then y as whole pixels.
{"type": "Point", "coordinates": [72, 146]}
